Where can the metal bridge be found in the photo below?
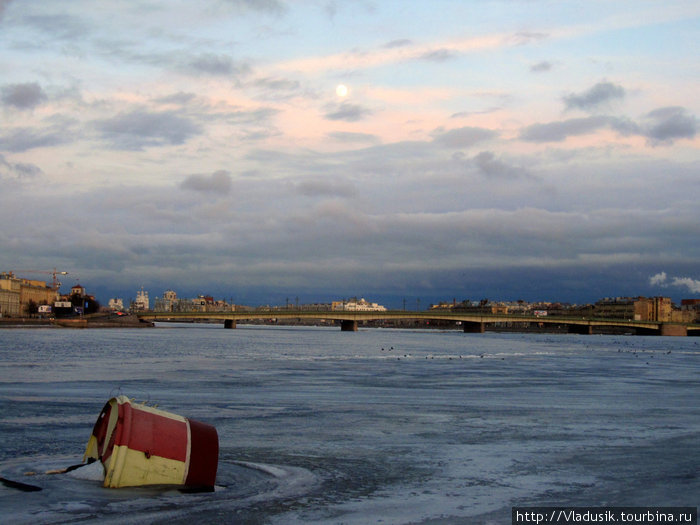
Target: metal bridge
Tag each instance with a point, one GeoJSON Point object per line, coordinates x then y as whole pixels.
{"type": "Point", "coordinates": [472, 323]}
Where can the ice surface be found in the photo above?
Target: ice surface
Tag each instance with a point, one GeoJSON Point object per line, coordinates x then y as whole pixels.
{"type": "Point", "coordinates": [323, 426]}
{"type": "Point", "coordinates": [92, 471]}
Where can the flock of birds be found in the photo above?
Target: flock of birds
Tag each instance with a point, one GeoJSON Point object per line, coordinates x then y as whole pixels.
{"type": "Point", "coordinates": [648, 354]}
{"type": "Point", "coordinates": [429, 356]}
{"type": "Point", "coordinates": [636, 353]}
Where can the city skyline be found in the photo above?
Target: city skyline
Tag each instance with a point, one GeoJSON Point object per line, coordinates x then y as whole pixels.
{"type": "Point", "coordinates": [406, 303]}
{"type": "Point", "coordinates": [260, 149]}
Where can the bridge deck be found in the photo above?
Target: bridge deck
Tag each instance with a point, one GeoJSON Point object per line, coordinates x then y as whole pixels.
{"type": "Point", "coordinates": [481, 319]}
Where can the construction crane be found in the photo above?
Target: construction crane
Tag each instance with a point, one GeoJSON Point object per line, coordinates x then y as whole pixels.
{"type": "Point", "coordinates": [55, 283]}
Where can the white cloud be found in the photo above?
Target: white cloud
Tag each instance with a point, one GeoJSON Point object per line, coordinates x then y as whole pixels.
{"type": "Point", "coordinates": [658, 280]}
{"type": "Point", "coordinates": [692, 284]}
{"type": "Point", "coordinates": [661, 279]}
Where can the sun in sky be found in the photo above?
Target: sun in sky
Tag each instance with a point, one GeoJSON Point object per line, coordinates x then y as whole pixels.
{"type": "Point", "coordinates": [341, 90]}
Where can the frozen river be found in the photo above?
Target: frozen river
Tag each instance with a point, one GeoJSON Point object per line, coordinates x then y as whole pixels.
{"type": "Point", "coordinates": [377, 426]}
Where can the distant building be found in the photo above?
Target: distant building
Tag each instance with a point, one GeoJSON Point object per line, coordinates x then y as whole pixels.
{"type": "Point", "coordinates": [690, 304]}
{"type": "Point", "coordinates": [443, 305]}
{"type": "Point", "coordinates": [9, 295]}
{"type": "Point", "coordinates": [206, 303]}
{"type": "Point", "coordinates": [355, 305]}
{"type": "Point", "coordinates": [170, 302]}
{"type": "Point", "coordinates": [690, 308]}
{"type": "Point", "coordinates": [17, 294]}
{"type": "Point", "coordinates": [141, 304]}
{"type": "Point", "coordinates": [167, 303]}
{"type": "Point", "coordinates": [482, 307]}
{"type": "Point", "coordinates": [116, 305]}
{"type": "Point", "coordinates": [37, 292]}
{"type": "Point", "coordinates": [635, 308]}
{"type": "Point", "coordinates": [199, 304]}
{"type": "Point", "coordinates": [519, 307]}
{"type": "Point", "coordinates": [169, 298]}
{"type": "Point", "coordinates": [78, 297]}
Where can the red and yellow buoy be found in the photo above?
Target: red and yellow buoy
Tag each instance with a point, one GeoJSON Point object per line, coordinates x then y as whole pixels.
{"type": "Point", "coordinates": [141, 445]}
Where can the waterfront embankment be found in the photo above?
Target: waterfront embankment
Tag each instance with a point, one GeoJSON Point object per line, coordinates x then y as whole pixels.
{"type": "Point", "coordinates": [88, 321]}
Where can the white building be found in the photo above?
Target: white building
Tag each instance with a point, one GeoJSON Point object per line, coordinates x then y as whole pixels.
{"type": "Point", "coordinates": [354, 305]}
{"type": "Point", "coordinates": [141, 303]}
{"type": "Point", "coordinates": [116, 304]}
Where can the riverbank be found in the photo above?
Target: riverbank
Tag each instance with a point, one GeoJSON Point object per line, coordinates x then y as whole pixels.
{"type": "Point", "coordinates": [88, 321]}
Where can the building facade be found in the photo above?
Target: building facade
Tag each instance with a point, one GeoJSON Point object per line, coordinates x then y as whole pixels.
{"type": "Point", "coordinates": [9, 295]}
{"type": "Point", "coordinates": [17, 294]}
{"type": "Point", "coordinates": [635, 308]}
{"type": "Point", "coordinates": [357, 305]}
{"type": "Point", "coordinates": [116, 304]}
{"type": "Point", "coordinates": [141, 304]}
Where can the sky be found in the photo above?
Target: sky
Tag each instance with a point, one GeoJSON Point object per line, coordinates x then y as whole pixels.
{"type": "Point", "coordinates": [407, 152]}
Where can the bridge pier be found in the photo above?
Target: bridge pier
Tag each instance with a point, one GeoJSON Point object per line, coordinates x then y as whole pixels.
{"type": "Point", "coordinates": [673, 329]}
{"type": "Point", "coordinates": [348, 326]}
{"type": "Point", "coordinates": [584, 329]}
{"type": "Point", "coordinates": [229, 323]}
{"type": "Point", "coordinates": [474, 327]}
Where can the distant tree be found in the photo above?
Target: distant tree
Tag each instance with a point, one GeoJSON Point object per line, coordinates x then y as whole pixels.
{"type": "Point", "coordinates": [88, 304]}
{"type": "Point", "coordinates": [91, 306]}
{"type": "Point", "coordinates": [31, 308]}
{"type": "Point", "coordinates": [76, 299]}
